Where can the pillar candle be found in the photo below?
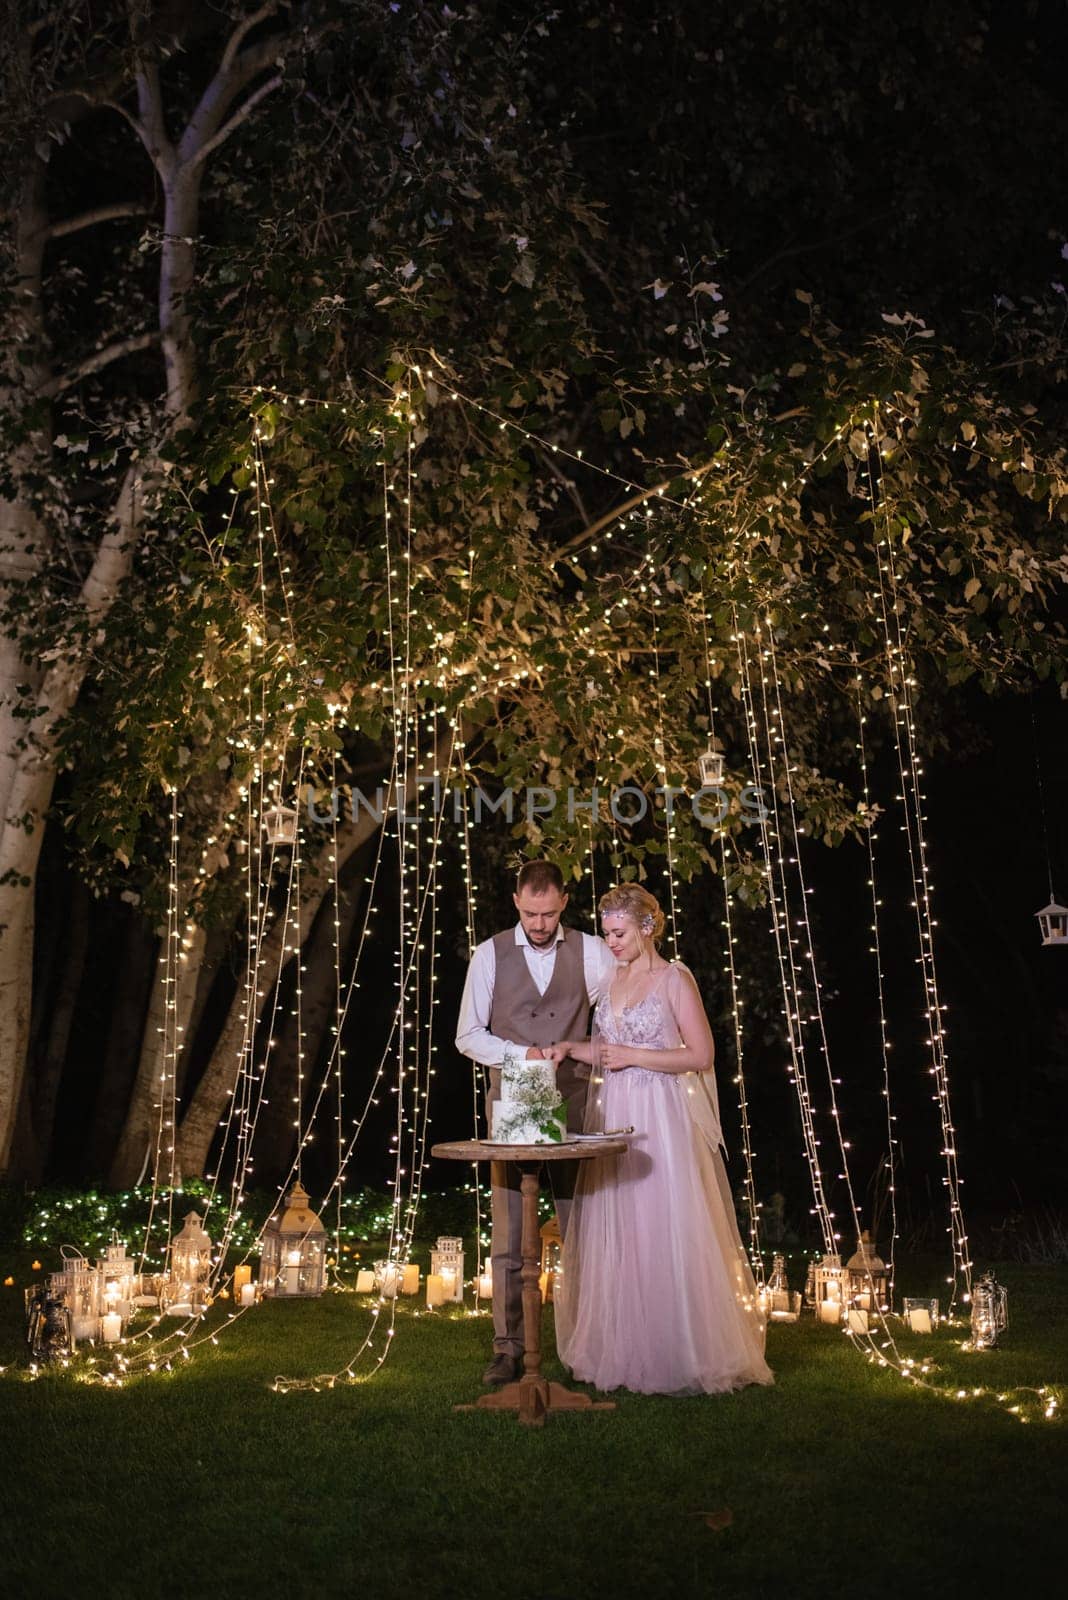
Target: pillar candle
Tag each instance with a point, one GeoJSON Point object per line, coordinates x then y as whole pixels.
{"type": "Point", "coordinates": [248, 1294]}
{"type": "Point", "coordinates": [830, 1311]}
{"type": "Point", "coordinates": [435, 1290]}
{"type": "Point", "coordinates": [919, 1320]}
{"type": "Point", "coordinates": [111, 1327]}
{"type": "Point", "coordinates": [485, 1286]}
{"type": "Point", "coordinates": [293, 1272]}
{"type": "Point", "coordinates": [365, 1281]}
{"type": "Point", "coordinates": [448, 1282]}
{"type": "Point", "coordinates": [410, 1284]}
{"type": "Point", "coordinates": [242, 1275]}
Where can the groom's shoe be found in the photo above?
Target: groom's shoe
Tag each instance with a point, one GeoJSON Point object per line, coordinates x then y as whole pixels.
{"type": "Point", "coordinates": [504, 1368]}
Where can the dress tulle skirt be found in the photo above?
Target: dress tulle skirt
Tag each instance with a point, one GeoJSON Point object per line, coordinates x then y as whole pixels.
{"type": "Point", "coordinates": [656, 1294]}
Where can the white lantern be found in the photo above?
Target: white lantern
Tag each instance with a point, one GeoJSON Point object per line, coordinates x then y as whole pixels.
{"type": "Point", "coordinates": [829, 1289]}
{"type": "Point", "coordinates": [389, 1278]}
{"type": "Point", "coordinates": [711, 767]}
{"type": "Point", "coordinates": [280, 825]}
{"type": "Point", "coordinates": [447, 1262]}
{"type": "Point", "coordinates": [186, 1294]}
{"type": "Point", "coordinates": [990, 1312]}
{"type": "Point", "coordinates": [867, 1278]}
{"type": "Point", "coordinates": [1053, 921]}
{"type": "Point", "coordinates": [120, 1279]}
{"type": "Point", "coordinates": [777, 1301]}
{"type": "Point", "coordinates": [294, 1250]}
{"type": "Point", "coordinates": [78, 1287]}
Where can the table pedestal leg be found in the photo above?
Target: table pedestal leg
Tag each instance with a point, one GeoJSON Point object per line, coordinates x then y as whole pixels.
{"type": "Point", "coordinates": [533, 1397]}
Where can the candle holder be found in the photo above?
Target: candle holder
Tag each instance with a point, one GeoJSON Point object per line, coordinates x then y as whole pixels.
{"type": "Point", "coordinates": [552, 1249]}
{"type": "Point", "coordinates": [77, 1287]}
{"type": "Point", "coordinates": [293, 1261]}
{"type": "Point", "coordinates": [829, 1289]}
{"type": "Point", "coordinates": [389, 1278]}
{"type": "Point", "coordinates": [920, 1315]}
{"type": "Point", "coordinates": [867, 1278]}
{"type": "Point", "coordinates": [186, 1291]}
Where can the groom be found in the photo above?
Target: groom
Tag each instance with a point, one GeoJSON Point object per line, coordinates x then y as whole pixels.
{"type": "Point", "coordinates": [526, 988]}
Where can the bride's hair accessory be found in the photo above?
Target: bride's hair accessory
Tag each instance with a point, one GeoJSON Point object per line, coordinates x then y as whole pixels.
{"type": "Point", "coordinates": [631, 900]}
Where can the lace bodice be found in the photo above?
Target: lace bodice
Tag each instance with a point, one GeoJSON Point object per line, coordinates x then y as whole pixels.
{"type": "Point", "coordinates": [648, 1023]}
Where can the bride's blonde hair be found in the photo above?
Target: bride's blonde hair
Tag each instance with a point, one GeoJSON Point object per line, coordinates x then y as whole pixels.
{"type": "Point", "coordinates": [631, 900]}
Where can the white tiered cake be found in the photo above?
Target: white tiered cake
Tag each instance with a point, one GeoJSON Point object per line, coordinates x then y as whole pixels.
{"type": "Point", "coordinates": [530, 1110]}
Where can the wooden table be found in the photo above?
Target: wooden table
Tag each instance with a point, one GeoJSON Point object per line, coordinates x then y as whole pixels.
{"type": "Point", "coordinates": [533, 1396]}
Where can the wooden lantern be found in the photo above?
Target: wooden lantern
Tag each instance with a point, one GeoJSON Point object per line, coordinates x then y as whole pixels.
{"type": "Point", "coordinates": [1053, 921]}
{"type": "Point", "coordinates": [829, 1290]}
{"type": "Point", "coordinates": [294, 1250]}
{"type": "Point", "coordinates": [447, 1262]}
{"type": "Point", "coordinates": [867, 1278]}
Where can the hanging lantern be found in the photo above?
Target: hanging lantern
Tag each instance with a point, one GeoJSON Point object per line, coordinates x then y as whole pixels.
{"type": "Point", "coordinates": [920, 1314]}
{"type": "Point", "coordinates": [1053, 921]}
{"type": "Point", "coordinates": [829, 1289]}
{"type": "Point", "coordinates": [186, 1292]}
{"type": "Point", "coordinates": [447, 1262]}
{"type": "Point", "coordinates": [77, 1286]}
{"type": "Point", "coordinates": [294, 1250]}
{"type": "Point", "coordinates": [711, 767]}
{"type": "Point", "coordinates": [867, 1278]}
{"type": "Point", "coordinates": [279, 825]}
{"type": "Point", "coordinates": [990, 1312]}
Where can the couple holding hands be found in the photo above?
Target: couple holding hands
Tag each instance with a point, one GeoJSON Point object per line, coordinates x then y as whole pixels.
{"type": "Point", "coordinates": [656, 1294]}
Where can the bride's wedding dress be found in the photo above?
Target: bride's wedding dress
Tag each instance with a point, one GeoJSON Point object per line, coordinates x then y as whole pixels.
{"type": "Point", "coordinates": [656, 1293]}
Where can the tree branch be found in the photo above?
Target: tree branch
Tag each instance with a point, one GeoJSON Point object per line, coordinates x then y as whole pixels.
{"type": "Point", "coordinates": [242, 31]}
{"type": "Point", "coordinates": [150, 106]}
{"type": "Point", "coordinates": [98, 360]}
{"type": "Point", "coordinates": [621, 510]}
{"type": "Point", "coordinates": [236, 120]}
{"type": "Point", "coordinates": [89, 219]}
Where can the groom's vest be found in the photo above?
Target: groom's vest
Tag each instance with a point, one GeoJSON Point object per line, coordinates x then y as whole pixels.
{"type": "Point", "coordinates": [519, 1012]}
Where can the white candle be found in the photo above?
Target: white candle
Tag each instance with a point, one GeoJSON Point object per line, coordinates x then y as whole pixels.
{"type": "Point", "coordinates": [247, 1294]}
{"type": "Point", "coordinates": [242, 1275]}
{"type": "Point", "coordinates": [435, 1290]}
{"type": "Point", "coordinates": [111, 1327]}
{"type": "Point", "coordinates": [858, 1322]}
{"type": "Point", "coordinates": [365, 1281]}
{"type": "Point", "coordinates": [293, 1272]}
{"type": "Point", "coordinates": [448, 1283]}
{"type": "Point", "coordinates": [919, 1320]}
{"type": "Point", "coordinates": [83, 1327]}
{"type": "Point", "coordinates": [410, 1283]}
{"type": "Point", "coordinates": [830, 1311]}
{"type": "Point", "coordinates": [392, 1278]}
{"type": "Point", "coordinates": [485, 1286]}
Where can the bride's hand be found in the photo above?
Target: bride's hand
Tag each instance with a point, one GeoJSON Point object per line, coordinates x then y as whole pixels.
{"type": "Point", "coordinates": [613, 1057]}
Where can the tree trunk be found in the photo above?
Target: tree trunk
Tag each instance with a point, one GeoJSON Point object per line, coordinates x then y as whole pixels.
{"type": "Point", "coordinates": [53, 1056]}
{"type": "Point", "coordinates": [125, 1032]}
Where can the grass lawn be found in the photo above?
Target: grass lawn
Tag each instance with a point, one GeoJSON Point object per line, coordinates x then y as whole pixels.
{"type": "Point", "coordinates": [842, 1480]}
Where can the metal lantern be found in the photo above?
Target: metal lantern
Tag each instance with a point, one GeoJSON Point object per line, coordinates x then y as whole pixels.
{"type": "Point", "coordinates": [1053, 921]}
{"type": "Point", "coordinates": [78, 1287]}
{"type": "Point", "coordinates": [829, 1289]}
{"type": "Point", "coordinates": [867, 1278]}
{"type": "Point", "coordinates": [711, 767]}
{"type": "Point", "coordinates": [48, 1325]}
{"type": "Point", "coordinates": [186, 1292]}
{"type": "Point", "coordinates": [120, 1279]}
{"type": "Point", "coordinates": [551, 1258]}
{"type": "Point", "coordinates": [920, 1314]}
{"type": "Point", "coordinates": [990, 1312]}
{"type": "Point", "coordinates": [279, 825]}
{"type": "Point", "coordinates": [294, 1250]}
{"type": "Point", "coordinates": [776, 1299]}
{"type": "Point", "coordinates": [447, 1261]}
{"type": "Point", "coordinates": [389, 1278]}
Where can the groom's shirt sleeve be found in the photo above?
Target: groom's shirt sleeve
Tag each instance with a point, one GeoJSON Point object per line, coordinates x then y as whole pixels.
{"type": "Point", "coordinates": [473, 1037]}
{"type": "Point", "coordinates": [598, 965]}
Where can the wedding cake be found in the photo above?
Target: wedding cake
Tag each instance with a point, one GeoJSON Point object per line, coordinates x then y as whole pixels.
{"type": "Point", "coordinates": [530, 1110]}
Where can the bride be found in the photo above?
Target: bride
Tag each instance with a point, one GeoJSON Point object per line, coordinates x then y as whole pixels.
{"type": "Point", "coordinates": [656, 1293]}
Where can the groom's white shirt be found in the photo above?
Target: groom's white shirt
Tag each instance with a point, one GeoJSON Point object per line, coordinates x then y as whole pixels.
{"type": "Point", "coordinates": [473, 1037]}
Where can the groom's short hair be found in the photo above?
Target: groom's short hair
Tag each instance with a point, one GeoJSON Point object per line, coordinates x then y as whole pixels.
{"type": "Point", "coordinates": [539, 877]}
